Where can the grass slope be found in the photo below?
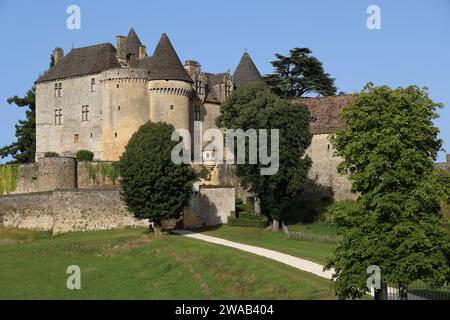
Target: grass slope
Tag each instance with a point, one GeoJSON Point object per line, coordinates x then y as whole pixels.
{"type": "Point", "coordinates": [130, 264]}
{"type": "Point", "coordinates": [314, 251]}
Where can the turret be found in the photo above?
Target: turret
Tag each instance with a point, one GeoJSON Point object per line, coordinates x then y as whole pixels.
{"type": "Point", "coordinates": [170, 87]}
{"type": "Point", "coordinates": [246, 71]}
{"type": "Point", "coordinates": [125, 108]}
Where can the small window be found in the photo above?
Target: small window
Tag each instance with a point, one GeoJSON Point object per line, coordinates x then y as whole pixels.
{"type": "Point", "coordinates": [84, 113]}
{"type": "Point", "coordinates": [58, 89]}
{"type": "Point", "coordinates": [117, 86]}
{"type": "Point", "coordinates": [197, 114]}
{"type": "Point", "coordinates": [171, 107]}
{"type": "Point", "coordinates": [328, 146]}
{"type": "Point", "coordinates": [227, 90]}
{"type": "Point", "coordinates": [93, 85]}
{"type": "Point", "coordinates": [118, 108]}
{"type": "Point", "coordinates": [115, 134]}
{"type": "Point", "coordinates": [58, 117]}
{"type": "Point", "coordinates": [76, 137]}
{"type": "Point", "coordinates": [91, 135]}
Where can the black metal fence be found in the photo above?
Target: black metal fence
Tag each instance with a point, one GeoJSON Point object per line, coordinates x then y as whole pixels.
{"type": "Point", "coordinates": [414, 291]}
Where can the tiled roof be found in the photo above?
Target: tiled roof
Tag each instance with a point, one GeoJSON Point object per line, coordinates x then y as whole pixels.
{"type": "Point", "coordinates": [324, 112]}
{"type": "Point", "coordinates": [83, 61]}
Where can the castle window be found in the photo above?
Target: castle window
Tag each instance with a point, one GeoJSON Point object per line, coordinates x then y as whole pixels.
{"type": "Point", "coordinates": [199, 87]}
{"type": "Point", "coordinates": [58, 88]}
{"type": "Point", "coordinates": [118, 108]}
{"type": "Point", "coordinates": [93, 85]}
{"type": "Point", "coordinates": [171, 107]}
{"type": "Point", "coordinates": [58, 117]}
{"type": "Point", "coordinates": [117, 86]}
{"type": "Point", "coordinates": [84, 113]}
{"type": "Point", "coordinates": [197, 114]}
{"type": "Point", "coordinates": [227, 90]}
{"type": "Point", "coordinates": [115, 134]}
{"type": "Point", "coordinates": [91, 135]}
{"type": "Point", "coordinates": [76, 137]}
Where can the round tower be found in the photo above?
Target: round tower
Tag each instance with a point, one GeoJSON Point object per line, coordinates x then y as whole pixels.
{"type": "Point", "coordinates": [125, 108]}
{"type": "Point", "coordinates": [170, 87]}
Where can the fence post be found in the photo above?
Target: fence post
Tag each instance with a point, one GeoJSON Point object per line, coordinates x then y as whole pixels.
{"type": "Point", "coordinates": [381, 294]}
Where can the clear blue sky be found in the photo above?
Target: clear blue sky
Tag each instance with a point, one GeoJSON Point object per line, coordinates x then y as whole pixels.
{"type": "Point", "coordinates": [413, 46]}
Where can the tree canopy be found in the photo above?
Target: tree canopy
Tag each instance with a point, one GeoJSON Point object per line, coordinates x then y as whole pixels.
{"type": "Point", "coordinates": [298, 74]}
{"type": "Point", "coordinates": [153, 187]}
{"type": "Point", "coordinates": [23, 150]}
{"type": "Point", "coordinates": [388, 146]}
{"type": "Point", "coordinates": [256, 107]}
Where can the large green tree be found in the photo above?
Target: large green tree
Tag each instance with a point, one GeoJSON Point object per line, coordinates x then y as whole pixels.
{"type": "Point", "coordinates": [388, 146]}
{"type": "Point", "coordinates": [256, 107]}
{"type": "Point", "coordinates": [23, 150]}
{"type": "Point", "coordinates": [298, 74]}
{"type": "Point", "coordinates": [154, 187]}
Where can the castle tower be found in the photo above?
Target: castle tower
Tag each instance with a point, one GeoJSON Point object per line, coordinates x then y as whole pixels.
{"type": "Point", "coordinates": [246, 71]}
{"type": "Point", "coordinates": [133, 45]}
{"type": "Point", "coordinates": [124, 108]}
{"type": "Point", "coordinates": [170, 87]}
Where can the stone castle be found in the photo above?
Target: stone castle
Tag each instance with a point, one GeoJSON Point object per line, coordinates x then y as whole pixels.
{"type": "Point", "coordinates": [96, 97]}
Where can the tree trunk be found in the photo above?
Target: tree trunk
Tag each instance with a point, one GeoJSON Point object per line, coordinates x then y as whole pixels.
{"type": "Point", "coordinates": [257, 206]}
{"type": "Point", "coordinates": [275, 225]}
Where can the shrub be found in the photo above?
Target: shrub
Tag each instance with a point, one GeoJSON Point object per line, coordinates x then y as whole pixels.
{"type": "Point", "coordinates": [84, 155]}
{"type": "Point", "coordinates": [203, 173]}
{"type": "Point", "coordinates": [238, 201]}
{"type": "Point", "coordinates": [50, 154]}
{"type": "Point", "coordinates": [8, 178]}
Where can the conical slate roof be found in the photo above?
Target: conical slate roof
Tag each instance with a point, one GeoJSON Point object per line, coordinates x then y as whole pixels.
{"type": "Point", "coordinates": [133, 43]}
{"type": "Point", "coordinates": [246, 71]}
{"type": "Point", "coordinates": [165, 64]}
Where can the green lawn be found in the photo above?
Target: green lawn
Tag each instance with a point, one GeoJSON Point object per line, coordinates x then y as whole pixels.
{"type": "Point", "coordinates": [131, 264]}
{"type": "Point", "coordinates": [314, 251]}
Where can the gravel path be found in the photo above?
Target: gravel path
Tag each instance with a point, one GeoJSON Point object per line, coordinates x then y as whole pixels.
{"type": "Point", "coordinates": [301, 264]}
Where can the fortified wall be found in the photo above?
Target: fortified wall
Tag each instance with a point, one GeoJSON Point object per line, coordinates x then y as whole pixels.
{"type": "Point", "coordinates": [63, 195]}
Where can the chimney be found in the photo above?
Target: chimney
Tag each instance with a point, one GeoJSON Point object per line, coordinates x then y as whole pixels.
{"type": "Point", "coordinates": [448, 158]}
{"type": "Point", "coordinates": [192, 67]}
{"type": "Point", "coordinates": [58, 54]}
{"type": "Point", "coordinates": [121, 47]}
{"type": "Point", "coordinates": [142, 52]}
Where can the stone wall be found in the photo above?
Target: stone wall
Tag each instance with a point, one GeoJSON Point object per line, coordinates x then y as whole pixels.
{"type": "Point", "coordinates": [211, 206]}
{"type": "Point", "coordinates": [92, 175]}
{"type": "Point", "coordinates": [444, 165]}
{"type": "Point", "coordinates": [67, 211]}
{"type": "Point", "coordinates": [324, 180]}
{"type": "Point", "coordinates": [100, 209]}
{"type": "Point", "coordinates": [27, 211]}
{"type": "Point", "coordinates": [83, 210]}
